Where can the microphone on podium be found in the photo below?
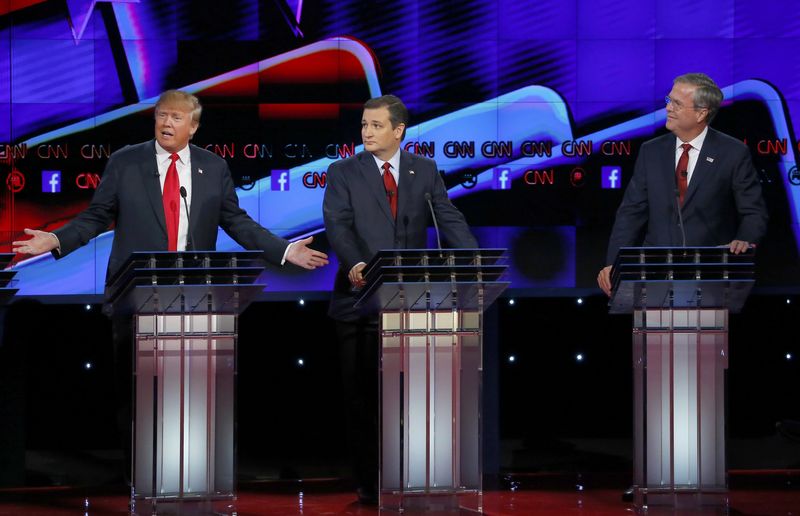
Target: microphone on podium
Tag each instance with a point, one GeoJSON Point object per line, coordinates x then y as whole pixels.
{"type": "Point", "coordinates": [435, 223]}
{"type": "Point", "coordinates": [190, 241]}
{"type": "Point", "coordinates": [680, 215]}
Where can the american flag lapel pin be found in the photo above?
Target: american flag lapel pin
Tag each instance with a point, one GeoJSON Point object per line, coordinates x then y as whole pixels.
{"type": "Point", "coordinates": [709, 159]}
{"type": "Point", "coordinates": [411, 172]}
{"type": "Point", "coordinates": [199, 170]}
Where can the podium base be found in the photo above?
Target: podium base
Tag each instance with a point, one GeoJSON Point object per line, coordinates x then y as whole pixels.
{"type": "Point", "coordinates": [432, 501]}
{"type": "Point", "coordinates": [225, 505]}
{"type": "Point", "coordinates": [716, 501]}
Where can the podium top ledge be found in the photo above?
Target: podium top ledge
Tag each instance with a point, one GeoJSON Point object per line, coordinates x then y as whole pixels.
{"type": "Point", "coordinates": [702, 252]}
{"type": "Point", "coordinates": [186, 259]}
{"type": "Point", "coordinates": [410, 255]}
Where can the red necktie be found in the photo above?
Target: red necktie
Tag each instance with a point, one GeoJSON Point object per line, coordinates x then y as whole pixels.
{"type": "Point", "coordinates": [171, 199]}
{"type": "Point", "coordinates": [391, 188]}
{"type": "Point", "coordinates": [682, 172]}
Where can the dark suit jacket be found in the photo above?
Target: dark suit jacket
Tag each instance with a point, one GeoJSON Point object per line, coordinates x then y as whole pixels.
{"type": "Point", "coordinates": [359, 222]}
{"type": "Point", "coordinates": [723, 201]}
{"type": "Point", "coordinates": [129, 195]}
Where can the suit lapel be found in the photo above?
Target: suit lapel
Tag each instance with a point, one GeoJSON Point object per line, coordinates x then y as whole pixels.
{"type": "Point", "coordinates": [407, 176]}
{"type": "Point", "coordinates": [373, 180]}
{"type": "Point", "coordinates": [152, 184]}
{"type": "Point", "coordinates": [704, 166]}
{"type": "Point", "coordinates": [198, 188]}
{"type": "Point", "coordinates": [669, 166]}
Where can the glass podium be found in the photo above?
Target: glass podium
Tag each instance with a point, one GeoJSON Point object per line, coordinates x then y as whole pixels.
{"type": "Point", "coordinates": [430, 305]}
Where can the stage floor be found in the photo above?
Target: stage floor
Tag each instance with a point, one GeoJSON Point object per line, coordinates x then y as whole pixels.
{"type": "Point", "coordinates": [765, 493]}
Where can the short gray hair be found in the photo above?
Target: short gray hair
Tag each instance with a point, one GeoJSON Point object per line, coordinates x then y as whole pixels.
{"type": "Point", "coordinates": [707, 95]}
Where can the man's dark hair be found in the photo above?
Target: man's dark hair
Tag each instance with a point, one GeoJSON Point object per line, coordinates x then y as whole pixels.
{"type": "Point", "coordinates": [398, 113]}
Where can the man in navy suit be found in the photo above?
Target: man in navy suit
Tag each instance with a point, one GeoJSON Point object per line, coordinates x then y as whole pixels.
{"type": "Point", "coordinates": [377, 199]}
{"type": "Point", "coordinates": [130, 196]}
{"type": "Point", "coordinates": [709, 175]}
{"type": "Point", "coordinates": [140, 194]}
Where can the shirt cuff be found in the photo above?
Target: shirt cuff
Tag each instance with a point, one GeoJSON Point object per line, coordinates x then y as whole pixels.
{"type": "Point", "coordinates": [57, 250]}
{"type": "Point", "coordinates": [286, 252]}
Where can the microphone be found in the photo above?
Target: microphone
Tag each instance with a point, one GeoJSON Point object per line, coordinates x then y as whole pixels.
{"type": "Point", "coordinates": [435, 223]}
{"type": "Point", "coordinates": [190, 242]}
{"type": "Point", "coordinates": [680, 215]}
{"type": "Point", "coordinates": [684, 173]}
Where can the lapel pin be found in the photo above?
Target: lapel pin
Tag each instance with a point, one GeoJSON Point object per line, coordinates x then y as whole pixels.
{"type": "Point", "coordinates": [199, 170]}
{"type": "Point", "coordinates": [411, 172]}
{"type": "Point", "coordinates": [709, 159]}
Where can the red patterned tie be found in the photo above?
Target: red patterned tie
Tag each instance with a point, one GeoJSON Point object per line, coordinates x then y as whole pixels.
{"type": "Point", "coordinates": [391, 188]}
{"type": "Point", "coordinates": [682, 172]}
{"type": "Point", "coordinates": [171, 199]}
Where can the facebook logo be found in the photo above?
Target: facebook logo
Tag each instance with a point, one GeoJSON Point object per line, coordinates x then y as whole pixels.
{"type": "Point", "coordinates": [280, 180]}
{"type": "Point", "coordinates": [612, 177]}
{"type": "Point", "coordinates": [51, 181]}
{"type": "Point", "coordinates": [501, 179]}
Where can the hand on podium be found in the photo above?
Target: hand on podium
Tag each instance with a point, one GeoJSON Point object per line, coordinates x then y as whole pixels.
{"type": "Point", "coordinates": [604, 280]}
{"type": "Point", "coordinates": [739, 246]}
{"type": "Point", "coordinates": [355, 276]}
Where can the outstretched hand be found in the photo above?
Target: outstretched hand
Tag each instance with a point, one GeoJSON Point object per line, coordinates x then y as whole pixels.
{"type": "Point", "coordinates": [42, 242]}
{"type": "Point", "coordinates": [302, 255]}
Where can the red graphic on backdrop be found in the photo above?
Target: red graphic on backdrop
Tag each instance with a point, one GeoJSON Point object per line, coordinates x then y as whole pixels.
{"type": "Point", "coordinates": [15, 181]}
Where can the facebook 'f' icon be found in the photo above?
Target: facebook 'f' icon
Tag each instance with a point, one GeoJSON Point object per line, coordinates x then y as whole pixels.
{"type": "Point", "coordinates": [280, 180]}
{"type": "Point", "coordinates": [51, 181]}
{"type": "Point", "coordinates": [501, 179]}
{"type": "Point", "coordinates": [612, 177]}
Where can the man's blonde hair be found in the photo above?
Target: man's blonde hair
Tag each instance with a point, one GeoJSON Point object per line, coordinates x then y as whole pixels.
{"type": "Point", "coordinates": [181, 98]}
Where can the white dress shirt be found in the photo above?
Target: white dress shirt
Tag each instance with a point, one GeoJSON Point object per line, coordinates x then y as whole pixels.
{"type": "Point", "coordinates": [394, 161]}
{"type": "Point", "coordinates": [694, 152]}
{"type": "Point", "coordinates": [184, 167]}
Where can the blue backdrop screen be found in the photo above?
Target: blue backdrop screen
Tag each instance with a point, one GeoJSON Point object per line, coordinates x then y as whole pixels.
{"type": "Point", "coordinates": [534, 112]}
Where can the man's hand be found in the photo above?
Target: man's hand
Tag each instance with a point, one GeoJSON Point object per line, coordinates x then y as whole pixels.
{"type": "Point", "coordinates": [604, 280]}
{"type": "Point", "coordinates": [307, 258]}
{"type": "Point", "coordinates": [41, 242]}
{"type": "Point", "coordinates": [355, 276]}
{"type": "Point", "coordinates": [739, 246]}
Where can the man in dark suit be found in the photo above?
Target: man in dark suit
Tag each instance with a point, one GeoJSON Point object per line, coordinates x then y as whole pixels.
{"type": "Point", "coordinates": [707, 173]}
{"type": "Point", "coordinates": [377, 200]}
{"type": "Point", "coordinates": [139, 193]}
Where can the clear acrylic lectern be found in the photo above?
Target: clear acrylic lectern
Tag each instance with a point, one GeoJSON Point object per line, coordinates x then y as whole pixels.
{"type": "Point", "coordinates": [185, 307]}
{"type": "Point", "coordinates": [680, 299]}
{"type": "Point", "coordinates": [430, 304]}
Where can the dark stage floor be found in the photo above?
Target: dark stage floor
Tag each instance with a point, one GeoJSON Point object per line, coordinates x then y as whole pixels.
{"type": "Point", "coordinates": [762, 493]}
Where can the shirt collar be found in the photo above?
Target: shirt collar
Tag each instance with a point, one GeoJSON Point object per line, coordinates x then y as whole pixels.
{"type": "Point", "coordinates": [163, 154]}
{"type": "Point", "coordinates": [394, 161]}
{"type": "Point", "coordinates": [697, 143]}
